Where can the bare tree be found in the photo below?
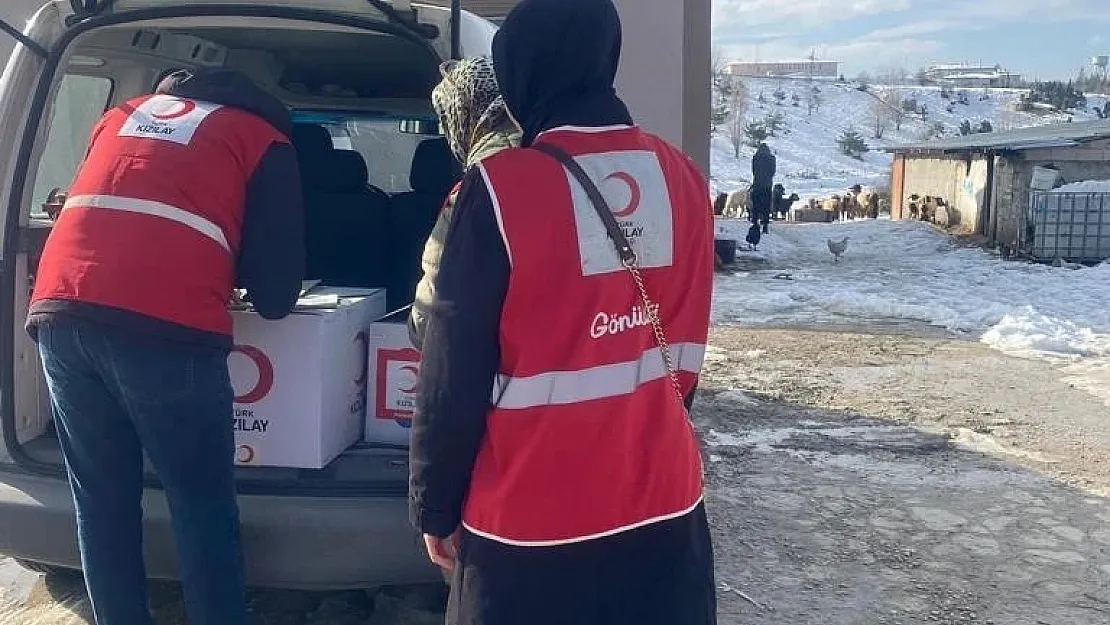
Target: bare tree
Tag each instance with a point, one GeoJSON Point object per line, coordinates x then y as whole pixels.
{"type": "Point", "coordinates": [813, 99]}
{"type": "Point", "coordinates": [894, 75]}
{"type": "Point", "coordinates": [737, 121]}
{"type": "Point", "coordinates": [880, 118]}
{"type": "Point", "coordinates": [892, 98]}
{"type": "Point", "coordinates": [718, 62]}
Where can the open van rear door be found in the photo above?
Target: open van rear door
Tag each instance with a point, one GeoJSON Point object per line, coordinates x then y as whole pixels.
{"type": "Point", "coordinates": [23, 39]}
{"type": "Point", "coordinates": [399, 12]}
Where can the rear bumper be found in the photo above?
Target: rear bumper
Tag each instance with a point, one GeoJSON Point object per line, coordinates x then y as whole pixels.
{"type": "Point", "coordinates": [289, 542]}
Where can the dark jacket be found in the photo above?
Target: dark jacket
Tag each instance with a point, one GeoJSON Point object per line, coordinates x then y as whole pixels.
{"type": "Point", "coordinates": [270, 246]}
{"type": "Point", "coordinates": [763, 167]}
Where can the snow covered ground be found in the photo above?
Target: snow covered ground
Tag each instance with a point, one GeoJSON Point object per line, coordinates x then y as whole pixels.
{"type": "Point", "coordinates": [908, 271]}
{"type": "Point", "coordinates": [809, 161]}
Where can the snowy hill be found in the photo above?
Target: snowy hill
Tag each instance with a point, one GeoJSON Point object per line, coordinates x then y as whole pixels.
{"type": "Point", "coordinates": [811, 164]}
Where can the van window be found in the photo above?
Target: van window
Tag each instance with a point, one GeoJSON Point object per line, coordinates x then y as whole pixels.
{"type": "Point", "coordinates": [80, 103]}
{"type": "Point", "coordinates": [387, 151]}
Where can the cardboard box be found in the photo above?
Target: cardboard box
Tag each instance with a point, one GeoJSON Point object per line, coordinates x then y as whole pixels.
{"type": "Point", "coordinates": [300, 383]}
{"type": "Point", "coordinates": [394, 368]}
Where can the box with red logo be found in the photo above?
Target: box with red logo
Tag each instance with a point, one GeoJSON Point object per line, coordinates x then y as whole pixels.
{"type": "Point", "coordinates": [394, 366]}
{"type": "Point", "coordinates": [300, 383]}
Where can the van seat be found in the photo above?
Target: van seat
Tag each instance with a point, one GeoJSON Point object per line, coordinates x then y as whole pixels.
{"type": "Point", "coordinates": [346, 222]}
{"type": "Point", "coordinates": [412, 215]}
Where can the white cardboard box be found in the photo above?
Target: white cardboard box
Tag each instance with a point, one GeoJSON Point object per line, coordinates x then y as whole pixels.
{"type": "Point", "coordinates": [394, 366]}
{"type": "Point", "coordinates": [300, 383]}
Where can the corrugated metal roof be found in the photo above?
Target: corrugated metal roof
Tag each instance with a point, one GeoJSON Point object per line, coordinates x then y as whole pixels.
{"type": "Point", "coordinates": [1048, 136]}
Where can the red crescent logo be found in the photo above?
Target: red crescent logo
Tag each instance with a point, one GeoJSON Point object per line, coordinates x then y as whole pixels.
{"type": "Point", "coordinates": [172, 109]}
{"type": "Point", "coordinates": [265, 368]}
{"type": "Point", "coordinates": [633, 187]}
{"type": "Point", "coordinates": [364, 341]}
{"type": "Point", "coordinates": [415, 371]}
{"type": "Point", "coordinates": [244, 454]}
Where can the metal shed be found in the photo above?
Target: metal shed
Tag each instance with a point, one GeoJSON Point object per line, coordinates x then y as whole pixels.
{"type": "Point", "coordinates": [988, 179]}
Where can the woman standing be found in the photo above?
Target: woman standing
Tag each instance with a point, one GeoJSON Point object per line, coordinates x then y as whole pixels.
{"type": "Point", "coordinates": [477, 125]}
{"type": "Point", "coordinates": [576, 285]}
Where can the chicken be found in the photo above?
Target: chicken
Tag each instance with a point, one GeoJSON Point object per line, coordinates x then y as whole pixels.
{"type": "Point", "coordinates": [838, 248]}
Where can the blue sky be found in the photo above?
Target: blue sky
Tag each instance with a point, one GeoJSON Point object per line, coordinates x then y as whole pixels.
{"type": "Point", "coordinates": [1038, 38]}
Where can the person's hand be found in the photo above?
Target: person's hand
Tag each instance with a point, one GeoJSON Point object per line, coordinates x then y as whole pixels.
{"type": "Point", "coordinates": [443, 552]}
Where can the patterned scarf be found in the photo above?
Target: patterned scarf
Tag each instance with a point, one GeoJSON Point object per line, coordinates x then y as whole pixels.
{"type": "Point", "coordinates": [468, 103]}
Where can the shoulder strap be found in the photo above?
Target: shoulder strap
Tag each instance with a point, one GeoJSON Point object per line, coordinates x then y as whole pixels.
{"type": "Point", "coordinates": [624, 251]}
{"type": "Point", "coordinates": [624, 247]}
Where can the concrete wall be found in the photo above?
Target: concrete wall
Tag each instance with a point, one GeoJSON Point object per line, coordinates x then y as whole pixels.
{"type": "Point", "coordinates": [665, 70]}
{"type": "Point", "coordinates": [958, 181]}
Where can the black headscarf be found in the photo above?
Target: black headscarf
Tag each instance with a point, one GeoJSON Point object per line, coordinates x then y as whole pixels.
{"type": "Point", "coordinates": [556, 62]}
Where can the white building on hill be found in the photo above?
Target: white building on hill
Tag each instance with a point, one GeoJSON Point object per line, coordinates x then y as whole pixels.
{"type": "Point", "coordinates": [972, 76]}
{"type": "Point", "coordinates": [793, 69]}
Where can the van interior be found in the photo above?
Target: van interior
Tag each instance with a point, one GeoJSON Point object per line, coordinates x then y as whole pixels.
{"type": "Point", "coordinates": [375, 171]}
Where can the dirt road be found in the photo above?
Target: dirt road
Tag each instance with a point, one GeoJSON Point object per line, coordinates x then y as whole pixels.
{"type": "Point", "coordinates": [883, 476]}
{"type": "Point", "coordinates": [875, 478]}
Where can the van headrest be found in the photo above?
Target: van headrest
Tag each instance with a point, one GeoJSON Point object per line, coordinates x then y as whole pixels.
{"type": "Point", "coordinates": [311, 140]}
{"type": "Point", "coordinates": [343, 171]}
{"type": "Point", "coordinates": [434, 168]}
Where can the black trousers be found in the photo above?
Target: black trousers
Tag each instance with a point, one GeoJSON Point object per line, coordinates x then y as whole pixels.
{"type": "Point", "coordinates": [661, 574]}
{"type": "Point", "coordinates": [760, 199]}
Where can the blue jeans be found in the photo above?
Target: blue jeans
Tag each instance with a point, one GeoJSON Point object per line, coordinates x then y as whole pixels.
{"type": "Point", "coordinates": [115, 396]}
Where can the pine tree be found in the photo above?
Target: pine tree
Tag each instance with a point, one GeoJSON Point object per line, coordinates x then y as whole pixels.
{"type": "Point", "coordinates": [852, 144]}
{"type": "Point", "coordinates": [756, 133]}
{"type": "Point", "coordinates": [774, 123]}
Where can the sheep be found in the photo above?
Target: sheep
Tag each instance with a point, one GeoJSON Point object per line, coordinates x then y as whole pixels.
{"type": "Point", "coordinates": [784, 204]}
{"type": "Point", "coordinates": [867, 204]}
{"type": "Point", "coordinates": [737, 204]}
{"type": "Point", "coordinates": [935, 210]}
{"type": "Point", "coordinates": [719, 204]}
{"type": "Point", "coordinates": [833, 206]}
{"type": "Point", "coordinates": [780, 205]}
{"type": "Point", "coordinates": [914, 206]}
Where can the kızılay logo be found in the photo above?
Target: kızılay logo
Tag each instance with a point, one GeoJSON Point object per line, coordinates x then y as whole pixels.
{"type": "Point", "coordinates": [175, 108]}
{"type": "Point", "coordinates": [244, 454]}
{"type": "Point", "coordinates": [635, 195]}
{"type": "Point", "coordinates": [265, 368]}
{"type": "Point", "coordinates": [396, 385]}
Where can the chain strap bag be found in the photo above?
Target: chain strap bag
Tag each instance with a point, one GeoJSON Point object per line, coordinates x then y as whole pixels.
{"type": "Point", "coordinates": [624, 251]}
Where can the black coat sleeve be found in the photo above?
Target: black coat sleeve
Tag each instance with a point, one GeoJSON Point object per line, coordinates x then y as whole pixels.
{"type": "Point", "coordinates": [461, 353]}
{"type": "Point", "coordinates": [272, 250]}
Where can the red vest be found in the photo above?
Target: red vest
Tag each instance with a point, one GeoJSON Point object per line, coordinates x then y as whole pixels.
{"type": "Point", "coordinates": [586, 437]}
{"type": "Point", "coordinates": [153, 219]}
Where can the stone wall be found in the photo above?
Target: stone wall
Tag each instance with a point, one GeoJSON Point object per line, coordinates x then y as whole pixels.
{"type": "Point", "coordinates": [1014, 174]}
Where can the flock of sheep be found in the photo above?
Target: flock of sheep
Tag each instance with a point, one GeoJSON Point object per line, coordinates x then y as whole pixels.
{"type": "Point", "coordinates": [738, 203]}
{"type": "Point", "coordinates": [858, 202]}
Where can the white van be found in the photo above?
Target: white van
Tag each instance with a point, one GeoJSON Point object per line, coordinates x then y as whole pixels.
{"type": "Point", "coordinates": [360, 69]}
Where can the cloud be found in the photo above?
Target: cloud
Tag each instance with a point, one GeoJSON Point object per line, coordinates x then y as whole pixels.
{"type": "Point", "coordinates": [732, 15]}
{"type": "Point", "coordinates": [876, 33]}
